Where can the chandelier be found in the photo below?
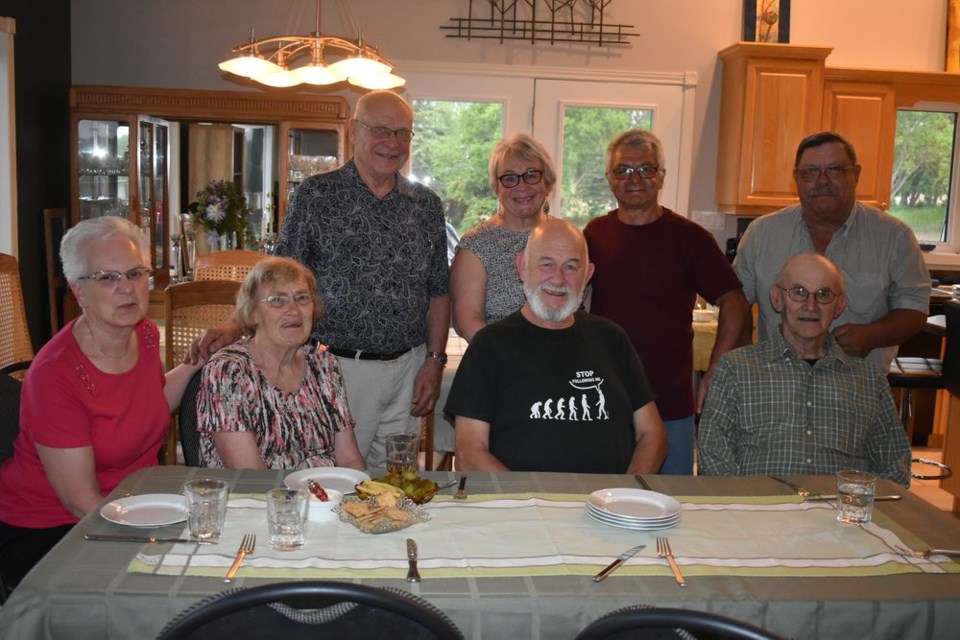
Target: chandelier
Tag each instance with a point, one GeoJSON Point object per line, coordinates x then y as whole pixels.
{"type": "Point", "coordinates": [268, 61]}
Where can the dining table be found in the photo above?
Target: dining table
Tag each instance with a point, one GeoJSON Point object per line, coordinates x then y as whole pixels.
{"type": "Point", "coordinates": [517, 558]}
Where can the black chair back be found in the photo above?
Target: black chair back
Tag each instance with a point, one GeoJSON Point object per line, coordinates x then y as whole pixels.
{"type": "Point", "coordinates": [315, 609]}
{"type": "Point", "coordinates": [187, 422]}
{"type": "Point", "coordinates": [9, 414]}
{"type": "Point", "coordinates": [643, 622]}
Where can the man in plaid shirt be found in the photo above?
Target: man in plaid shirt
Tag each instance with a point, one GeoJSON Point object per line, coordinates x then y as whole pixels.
{"type": "Point", "coordinates": [795, 403]}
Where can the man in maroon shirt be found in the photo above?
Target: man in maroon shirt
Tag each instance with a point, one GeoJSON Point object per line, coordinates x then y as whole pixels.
{"type": "Point", "coordinates": [650, 266]}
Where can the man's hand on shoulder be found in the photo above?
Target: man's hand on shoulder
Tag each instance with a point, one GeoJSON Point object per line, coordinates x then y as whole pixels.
{"type": "Point", "coordinates": [211, 341]}
{"type": "Point", "coordinates": [854, 339]}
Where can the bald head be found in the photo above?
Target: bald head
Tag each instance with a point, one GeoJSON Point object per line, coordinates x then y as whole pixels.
{"type": "Point", "coordinates": [555, 269]}
{"type": "Point", "coordinates": [809, 296]}
{"type": "Point", "coordinates": [811, 263]}
{"type": "Point", "coordinates": [377, 100]}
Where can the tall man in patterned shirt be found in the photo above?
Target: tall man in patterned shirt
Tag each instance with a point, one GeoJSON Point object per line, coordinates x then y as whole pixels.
{"type": "Point", "coordinates": [377, 244]}
{"type": "Point", "coordinates": [796, 402]}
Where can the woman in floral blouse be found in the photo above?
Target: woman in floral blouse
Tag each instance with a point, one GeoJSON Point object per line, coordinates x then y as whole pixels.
{"type": "Point", "coordinates": [271, 400]}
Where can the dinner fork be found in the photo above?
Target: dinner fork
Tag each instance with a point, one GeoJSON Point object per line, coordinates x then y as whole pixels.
{"type": "Point", "coordinates": [664, 551]}
{"type": "Point", "coordinates": [247, 546]}
{"type": "Point", "coordinates": [928, 552]}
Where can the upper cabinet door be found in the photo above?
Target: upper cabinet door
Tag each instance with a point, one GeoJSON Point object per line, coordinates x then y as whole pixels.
{"type": "Point", "coordinates": [866, 114]}
{"type": "Point", "coordinates": [771, 99]}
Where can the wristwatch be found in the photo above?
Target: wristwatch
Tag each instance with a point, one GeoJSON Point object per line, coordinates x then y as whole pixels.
{"type": "Point", "coordinates": [438, 355]}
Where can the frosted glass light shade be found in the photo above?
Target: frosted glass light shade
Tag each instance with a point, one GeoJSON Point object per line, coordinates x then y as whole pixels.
{"type": "Point", "coordinates": [379, 81]}
{"type": "Point", "coordinates": [359, 67]}
{"type": "Point", "coordinates": [281, 78]}
{"type": "Point", "coordinates": [317, 74]}
{"type": "Point", "coordinates": [248, 66]}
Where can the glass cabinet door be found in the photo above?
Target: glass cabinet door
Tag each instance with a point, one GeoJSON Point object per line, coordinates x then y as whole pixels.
{"type": "Point", "coordinates": [310, 149]}
{"type": "Point", "coordinates": [104, 168]}
{"type": "Point", "coordinates": [153, 192]}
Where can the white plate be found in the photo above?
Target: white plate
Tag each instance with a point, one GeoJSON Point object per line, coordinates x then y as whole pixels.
{"type": "Point", "coordinates": [612, 522]}
{"type": "Point", "coordinates": [147, 510]}
{"type": "Point", "coordinates": [341, 479]}
{"type": "Point", "coordinates": [634, 503]}
{"type": "Point", "coordinates": [612, 516]}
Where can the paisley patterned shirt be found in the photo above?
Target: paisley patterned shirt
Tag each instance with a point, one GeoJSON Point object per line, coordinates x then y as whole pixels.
{"type": "Point", "coordinates": [377, 262]}
{"type": "Point", "coordinates": [497, 248]}
{"type": "Point", "coordinates": [294, 430]}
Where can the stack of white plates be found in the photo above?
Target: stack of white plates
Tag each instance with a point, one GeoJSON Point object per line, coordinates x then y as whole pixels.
{"type": "Point", "coordinates": [633, 509]}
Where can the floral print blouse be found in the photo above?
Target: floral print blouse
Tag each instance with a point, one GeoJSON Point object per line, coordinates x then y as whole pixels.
{"type": "Point", "coordinates": [294, 430]}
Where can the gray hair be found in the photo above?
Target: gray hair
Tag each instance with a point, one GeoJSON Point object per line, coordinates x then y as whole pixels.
{"type": "Point", "coordinates": [527, 148]}
{"type": "Point", "coordinates": [77, 242]}
{"type": "Point", "coordinates": [636, 138]}
{"type": "Point", "coordinates": [272, 270]}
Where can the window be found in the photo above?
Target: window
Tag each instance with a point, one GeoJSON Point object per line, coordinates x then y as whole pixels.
{"type": "Point", "coordinates": [925, 154]}
{"type": "Point", "coordinates": [585, 193]}
{"type": "Point", "coordinates": [450, 154]}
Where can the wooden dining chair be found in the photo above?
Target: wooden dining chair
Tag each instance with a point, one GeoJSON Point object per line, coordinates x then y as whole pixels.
{"type": "Point", "coordinates": [234, 264]}
{"type": "Point", "coordinates": [16, 348]}
{"type": "Point", "coordinates": [189, 309]}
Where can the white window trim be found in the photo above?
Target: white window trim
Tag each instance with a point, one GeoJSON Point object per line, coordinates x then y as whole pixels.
{"type": "Point", "coordinates": [688, 80]}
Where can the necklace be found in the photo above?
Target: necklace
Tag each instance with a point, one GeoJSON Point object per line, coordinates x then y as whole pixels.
{"type": "Point", "coordinates": [93, 340]}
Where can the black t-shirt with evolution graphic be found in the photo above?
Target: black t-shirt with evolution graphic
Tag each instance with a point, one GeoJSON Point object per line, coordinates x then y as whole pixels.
{"type": "Point", "coordinates": [556, 399]}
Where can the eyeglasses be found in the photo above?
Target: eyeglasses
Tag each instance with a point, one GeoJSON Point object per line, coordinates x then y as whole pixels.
{"type": "Point", "coordinates": [530, 176]}
{"type": "Point", "coordinates": [109, 278]}
{"type": "Point", "coordinates": [812, 174]}
{"type": "Point", "coordinates": [623, 172]}
{"type": "Point", "coordinates": [799, 293]}
{"type": "Point", "coordinates": [279, 301]}
{"type": "Point", "coordinates": [380, 132]}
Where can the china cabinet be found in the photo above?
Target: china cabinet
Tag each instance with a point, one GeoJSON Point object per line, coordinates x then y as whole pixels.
{"type": "Point", "coordinates": [123, 136]}
{"type": "Point", "coordinates": [310, 148]}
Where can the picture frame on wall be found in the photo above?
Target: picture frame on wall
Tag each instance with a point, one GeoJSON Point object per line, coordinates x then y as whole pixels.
{"type": "Point", "coordinates": [767, 20]}
{"type": "Point", "coordinates": [953, 37]}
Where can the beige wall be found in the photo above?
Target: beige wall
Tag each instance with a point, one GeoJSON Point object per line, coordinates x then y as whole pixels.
{"type": "Point", "coordinates": [177, 43]}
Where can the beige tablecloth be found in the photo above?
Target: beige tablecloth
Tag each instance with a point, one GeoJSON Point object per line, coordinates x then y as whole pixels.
{"type": "Point", "coordinates": [551, 535]}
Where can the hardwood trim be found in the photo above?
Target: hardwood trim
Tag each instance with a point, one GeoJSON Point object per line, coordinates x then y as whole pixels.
{"type": "Point", "coordinates": [205, 104]}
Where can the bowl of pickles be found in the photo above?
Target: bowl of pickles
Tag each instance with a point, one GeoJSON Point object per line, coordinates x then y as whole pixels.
{"type": "Point", "coordinates": [402, 485]}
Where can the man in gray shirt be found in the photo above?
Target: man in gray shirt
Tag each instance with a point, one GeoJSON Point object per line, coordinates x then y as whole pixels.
{"type": "Point", "coordinates": [888, 285]}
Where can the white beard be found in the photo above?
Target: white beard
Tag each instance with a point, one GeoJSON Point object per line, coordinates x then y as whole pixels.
{"type": "Point", "coordinates": [553, 316]}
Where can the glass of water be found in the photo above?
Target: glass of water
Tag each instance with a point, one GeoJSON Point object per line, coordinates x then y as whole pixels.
{"type": "Point", "coordinates": [206, 507]}
{"type": "Point", "coordinates": [287, 518]}
{"type": "Point", "coordinates": [855, 491]}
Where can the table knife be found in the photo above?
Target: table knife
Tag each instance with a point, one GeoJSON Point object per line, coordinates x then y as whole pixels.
{"type": "Point", "coordinates": [412, 574]}
{"type": "Point", "coordinates": [109, 537]}
{"type": "Point", "coordinates": [626, 555]}
{"type": "Point", "coordinates": [642, 482]}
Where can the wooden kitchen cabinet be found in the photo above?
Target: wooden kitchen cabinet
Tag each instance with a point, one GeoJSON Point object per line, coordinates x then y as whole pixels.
{"type": "Point", "coordinates": [866, 114]}
{"type": "Point", "coordinates": [772, 98]}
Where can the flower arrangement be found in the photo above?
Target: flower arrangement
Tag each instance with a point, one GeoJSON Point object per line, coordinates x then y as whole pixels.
{"type": "Point", "coordinates": [221, 208]}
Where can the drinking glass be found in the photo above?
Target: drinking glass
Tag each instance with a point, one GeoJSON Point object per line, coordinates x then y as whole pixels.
{"type": "Point", "coordinates": [855, 490]}
{"type": "Point", "coordinates": [287, 518]}
{"type": "Point", "coordinates": [206, 507]}
{"type": "Point", "coordinates": [402, 452]}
